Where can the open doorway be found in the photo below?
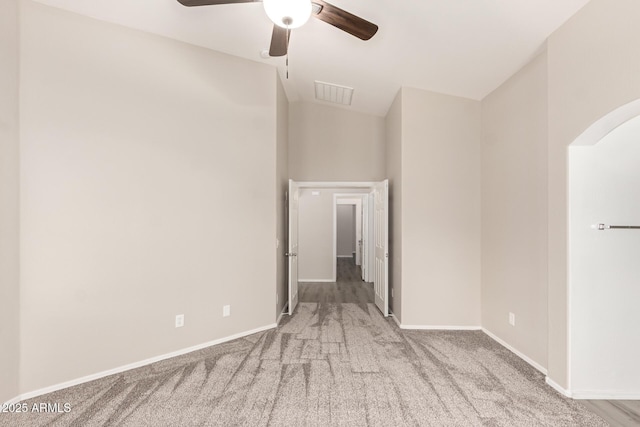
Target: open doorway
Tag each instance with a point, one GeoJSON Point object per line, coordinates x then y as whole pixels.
{"type": "Point", "coordinates": [351, 238]}
{"type": "Point", "coordinates": [315, 239]}
{"type": "Point", "coordinates": [348, 245]}
{"type": "Point", "coordinates": [346, 231]}
{"type": "Point", "coordinates": [604, 242]}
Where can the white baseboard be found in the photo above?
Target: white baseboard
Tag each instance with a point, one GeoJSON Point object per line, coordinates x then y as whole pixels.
{"type": "Point", "coordinates": [522, 356]}
{"type": "Point", "coordinates": [67, 384]}
{"type": "Point", "coordinates": [346, 256]}
{"type": "Point", "coordinates": [604, 395]}
{"type": "Point", "coordinates": [285, 310]}
{"type": "Point", "coordinates": [440, 327]}
{"type": "Point", "coordinates": [317, 280]}
{"type": "Point", "coordinates": [554, 385]}
{"type": "Point", "coordinates": [433, 327]}
{"type": "Point", "coordinates": [393, 316]}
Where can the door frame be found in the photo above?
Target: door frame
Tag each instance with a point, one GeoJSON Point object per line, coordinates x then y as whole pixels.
{"type": "Point", "coordinates": [336, 185]}
{"type": "Point", "coordinates": [346, 185]}
{"type": "Point", "coordinates": [292, 244]}
{"type": "Point", "coordinates": [381, 282]}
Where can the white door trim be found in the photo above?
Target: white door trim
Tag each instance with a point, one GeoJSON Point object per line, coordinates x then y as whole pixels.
{"type": "Point", "coordinates": [381, 224]}
{"type": "Point", "coordinates": [348, 185]}
{"type": "Point", "coordinates": [336, 185]}
{"type": "Point", "coordinates": [292, 244]}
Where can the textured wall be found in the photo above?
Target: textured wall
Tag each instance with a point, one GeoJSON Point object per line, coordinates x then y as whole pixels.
{"type": "Point", "coordinates": [9, 202]}
{"type": "Point", "coordinates": [148, 190]}
{"type": "Point", "coordinates": [440, 209]}
{"type": "Point", "coordinates": [514, 210]}
{"type": "Point", "coordinates": [332, 144]}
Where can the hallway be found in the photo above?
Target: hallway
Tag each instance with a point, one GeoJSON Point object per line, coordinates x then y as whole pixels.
{"type": "Point", "coordinates": [348, 289]}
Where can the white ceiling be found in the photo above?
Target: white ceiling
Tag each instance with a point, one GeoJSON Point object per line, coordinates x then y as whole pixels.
{"type": "Point", "coordinates": [465, 48]}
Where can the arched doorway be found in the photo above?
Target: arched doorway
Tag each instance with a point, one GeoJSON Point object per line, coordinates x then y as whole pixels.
{"type": "Point", "coordinates": [604, 264]}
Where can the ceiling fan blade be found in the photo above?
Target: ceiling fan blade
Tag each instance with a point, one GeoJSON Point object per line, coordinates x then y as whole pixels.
{"type": "Point", "coordinates": [211, 2]}
{"type": "Point", "coordinates": [279, 41]}
{"type": "Point", "coordinates": [344, 20]}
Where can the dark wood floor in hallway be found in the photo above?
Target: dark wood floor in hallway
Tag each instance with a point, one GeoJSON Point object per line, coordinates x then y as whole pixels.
{"type": "Point", "coordinates": [349, 287]}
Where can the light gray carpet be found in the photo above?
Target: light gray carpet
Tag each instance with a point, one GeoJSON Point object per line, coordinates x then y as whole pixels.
{"type": "Point", "coordinates": [329, 364]}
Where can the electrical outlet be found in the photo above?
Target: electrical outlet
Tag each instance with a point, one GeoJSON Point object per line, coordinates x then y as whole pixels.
{"type": "Point", "coordinates": [512, 319]}
{"type": "Point", "coordinates": [179, 320]}
{"type": "Point", "coordinates": [226, 311]}
{"type": "Point", "coordinates": [391, 292]}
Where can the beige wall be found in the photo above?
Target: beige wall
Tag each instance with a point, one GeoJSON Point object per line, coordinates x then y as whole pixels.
{"type": "Point", "coordinates": [393, 157]}
{"type": "Point", "coordinates": [315, 235]}
{"type": "Point", "coordinates": [514, 210]}
{"type": "Point", "coordinates": [282, 185]}
{"type": "Point", "coordinates": [144, 194]}
{"type": "Point", "coordinates": [440, 209]}
{"type": "Point", "coordinates": [594, 67]}
{"type": "Point", "coordinates": [9, 202]}
{"type": "Point", "coordinates": [333, 144]}
{"type": "Point", "coordinates": [119, 149]}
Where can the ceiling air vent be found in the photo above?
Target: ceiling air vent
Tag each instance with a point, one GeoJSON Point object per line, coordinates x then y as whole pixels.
{"type": "Point", "coordinates": [333, 93]}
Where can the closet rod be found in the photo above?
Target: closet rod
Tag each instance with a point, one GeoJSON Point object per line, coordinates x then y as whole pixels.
{"type": "Point", "coordinates": [611, 227]}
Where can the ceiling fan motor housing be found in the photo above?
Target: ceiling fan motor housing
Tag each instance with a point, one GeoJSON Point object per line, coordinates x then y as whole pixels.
{"type": "Point", "coordinates": [288, 13]}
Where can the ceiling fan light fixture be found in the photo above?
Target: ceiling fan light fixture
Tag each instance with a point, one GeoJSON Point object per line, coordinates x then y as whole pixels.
{"type": "Point", "coordinates": [288, 13]}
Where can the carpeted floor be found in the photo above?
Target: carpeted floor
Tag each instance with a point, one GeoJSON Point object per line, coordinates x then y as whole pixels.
{"type": "Point", "coordinates": [329, 364]}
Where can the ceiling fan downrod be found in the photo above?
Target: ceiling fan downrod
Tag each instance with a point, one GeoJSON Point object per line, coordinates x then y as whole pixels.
{"type": "Point", "coordinates": [287, 59]}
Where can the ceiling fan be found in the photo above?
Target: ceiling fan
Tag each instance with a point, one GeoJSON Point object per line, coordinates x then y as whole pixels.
{"type": "Point", "coordinates": [289, 14]}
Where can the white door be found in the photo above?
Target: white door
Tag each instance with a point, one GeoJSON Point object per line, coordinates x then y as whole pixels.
{"type": "Point", "coordinates": [381, 225]}
{"type": "Point", "coordinates": [292, 254]}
